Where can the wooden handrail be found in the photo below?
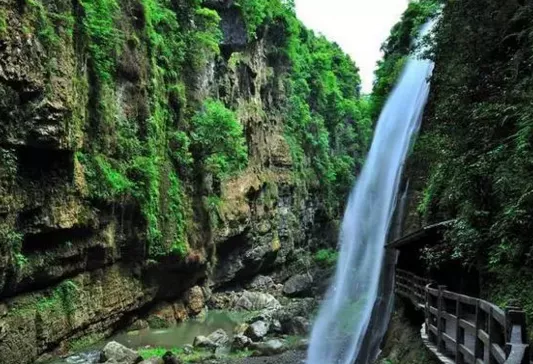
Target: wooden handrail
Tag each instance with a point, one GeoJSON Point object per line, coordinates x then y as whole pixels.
{"type": "Point", "coordinates": [466, 328]}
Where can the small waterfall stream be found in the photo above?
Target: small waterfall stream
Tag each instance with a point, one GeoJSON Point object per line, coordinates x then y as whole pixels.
{"type": "Point", "coordinates": [345, 314]}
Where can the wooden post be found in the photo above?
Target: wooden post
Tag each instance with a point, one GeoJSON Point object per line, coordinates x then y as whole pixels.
{"type": "Point", "coordinates": [441, 324]}
{"type": "Point", "coordinates": [427, 321]}
{"type": "Point", "coordinates": [459, 333]}
{"type": "Point", "coordinates": [478, 344]}
{"type": "Point", "coordinates": [514, 316]}
{"type": "Point", "coordinates": [492, 328]}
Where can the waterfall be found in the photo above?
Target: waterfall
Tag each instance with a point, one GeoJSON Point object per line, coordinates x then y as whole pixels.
{"type": "Point", "coordinates": [344, 316]}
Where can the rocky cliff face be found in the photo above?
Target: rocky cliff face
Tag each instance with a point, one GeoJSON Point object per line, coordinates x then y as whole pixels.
{"type": "Point", "coordinates": [78, 240]}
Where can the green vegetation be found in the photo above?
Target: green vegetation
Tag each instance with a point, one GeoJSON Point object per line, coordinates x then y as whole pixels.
{"type": "Point", "coordinates": [217, 139]}
{"type": "Point", "coordinates": [328, 126]}
{"type": "Point", "coordinates": [397, 48]}
{"type": "Point", "coordinates": [258, 12]}
{"type": "Point", "coordinates": [151, 158]}
{"type": "Point", "coordinates": [99, 25]}
{"type": "Point", "coordinates": [326, 257]}
{"type": "Point", "coordinates": [62, 300]}
{"type": "Point", "coordinates": [3, 23]}
{"type": "Point", "coordinates": [476, 144]}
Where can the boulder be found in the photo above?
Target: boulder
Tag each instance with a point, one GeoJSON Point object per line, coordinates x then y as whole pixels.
{"type": "Point", "coordinates": [261, 284]}
{"type": "Point", "coordinates": [195, 300]}
{"type": "Point", "coordinates": [162, 316]}
{"type": "Point", "coordinates": [255, 301]}
{"type": "Point", "coordinates": [153, 360]}
{"type": "Point", "coordinates": [302, 344]}
{"type": "Point", "coordinates": [214, 340]}
{"type": "Point", "coordinates": [257, 330]}
{"type": "Point", "coordinates": [275, 327]}
{"type": "Point", "coordinates": [240, 329]}
{"type": "Point", "coordinates": [219, 337]}
{"type": "Point", "coordinates": [201, 341]}
{"type": "Point", "coordinates": [138, 325]}
{"type": "Point", "coordinates": [188, 349]}
{"type": "Point", "coordinates": [299, 285]}
{"type": "Point", "coordinates": [270, 347]}
{"type": "Point", "coordinates": [170, 358]}
{"type": "Point", "coordinates": [180, 312]}
{"type": "Point", "coordinates": [296, 326]}
{"type": "Point", "coordinates": [240, 342]}
{"type": "Point", "coordinates": [114, 352]}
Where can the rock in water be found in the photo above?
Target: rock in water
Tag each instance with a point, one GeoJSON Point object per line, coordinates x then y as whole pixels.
{"type": "Point", "coordinates": [114, 352]}
{"type": "Point", "coordinates": [270, 347]}
{"type": "Point", "coordinates": [195, 300]}
{"type": "Point", "coordinates": [257, 330]}
{"type": "Point", "coordinates": [214, 340]}
{"type": "Point", "coordinates": [152, 361]}
{"type": "Point", "coordinates": [219, 337]}
{"type": "Point", "coordinates": [240, 342]}
{"type": "Point", "coordinates": [298, 286]}
{"type": "Point", "coordinates": [203, 342]}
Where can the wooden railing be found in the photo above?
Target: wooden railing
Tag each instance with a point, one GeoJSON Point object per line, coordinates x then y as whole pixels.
{"type": "Point", "coordinates": [467, 329]}
{"type": "Point", "coordinates": [411, 286]}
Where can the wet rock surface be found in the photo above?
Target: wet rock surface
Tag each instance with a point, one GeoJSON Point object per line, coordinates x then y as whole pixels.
{"type": "Point", "coordinates": [299, 285]}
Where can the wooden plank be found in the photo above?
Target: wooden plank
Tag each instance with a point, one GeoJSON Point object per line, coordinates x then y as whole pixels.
{"type": "Point", "coordinates": [449, 295]}
{"type": "Point", "coordinates": [450, 340]}
{"type": "Point", "coordinates": [483, 336]}
{"type": "Point", "coordinates": [459, 338]}
{"type": "Point", "coordinates": [485, 306]}
{"type": "Point", "coordinates": [467, 324]}
{"type": "Point", "coordinates": [498, 353]}
{"type": "Point", "coordinates": [490, 359]}
{"type": "Point", "coordinates": [478, 345]}
{"type": "Point", "coordinates": [467, 353]}
{"type": "Point", "coordinates": [440, 329]}
{"type": "Point", "coordinates": [433, 310]}
{"type": "Point", "coordinates": [499, 315]}
{"type": "Point", "coordinates": [448, 316]}
{"type": "Point", "coordinates": [433, 329]}
{"type": "Point", "coordinates": [468, 300]}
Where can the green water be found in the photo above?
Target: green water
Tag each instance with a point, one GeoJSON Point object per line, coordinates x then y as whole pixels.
{"type": "Point", "coordinates": [181, 334]}
{"type": "Point", "coordinates": [173, 337]}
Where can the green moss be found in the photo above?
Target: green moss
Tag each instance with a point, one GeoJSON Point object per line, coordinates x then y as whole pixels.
{"type": "Point", "coordinates": [84, 342]}
{"type": "Point", "coordinates": [326, 257]}
{"type": "Point", "coordinates": [203, 43]}
{"type": "Point", "coordinates": [105, 38]}
{"type": "Point", "coordinates": [3, 23]}
{"type": "Point", "coordinates": [106, 181]}
{"type": "Point", "coordinates": [62, 299]}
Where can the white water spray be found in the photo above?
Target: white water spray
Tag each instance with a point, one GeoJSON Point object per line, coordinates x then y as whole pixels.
{"type": "Point", "coordinates": [345, 314]}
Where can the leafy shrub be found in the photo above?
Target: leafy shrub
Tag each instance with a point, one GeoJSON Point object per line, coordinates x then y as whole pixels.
{"type": "Point", "coordinates": [326, 257]}
{"type": "Point", "coordinates": [217, 139]}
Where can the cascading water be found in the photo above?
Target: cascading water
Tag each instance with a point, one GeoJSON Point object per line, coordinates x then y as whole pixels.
{"type": "Point", "coordinates": [345, 314]}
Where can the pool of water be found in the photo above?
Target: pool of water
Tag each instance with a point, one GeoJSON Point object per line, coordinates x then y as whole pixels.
{"type": "Point", "coordinates": [181, 334]}
{"type": "Point", "coordinates": [173, 337]}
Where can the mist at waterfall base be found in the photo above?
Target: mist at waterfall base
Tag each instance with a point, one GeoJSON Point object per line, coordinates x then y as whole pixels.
{"type": "Point", "coordinates": [344, 315]}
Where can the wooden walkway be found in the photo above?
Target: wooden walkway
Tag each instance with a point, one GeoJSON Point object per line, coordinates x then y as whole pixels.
{"type": "Point", "coordinates": [465, 330]}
